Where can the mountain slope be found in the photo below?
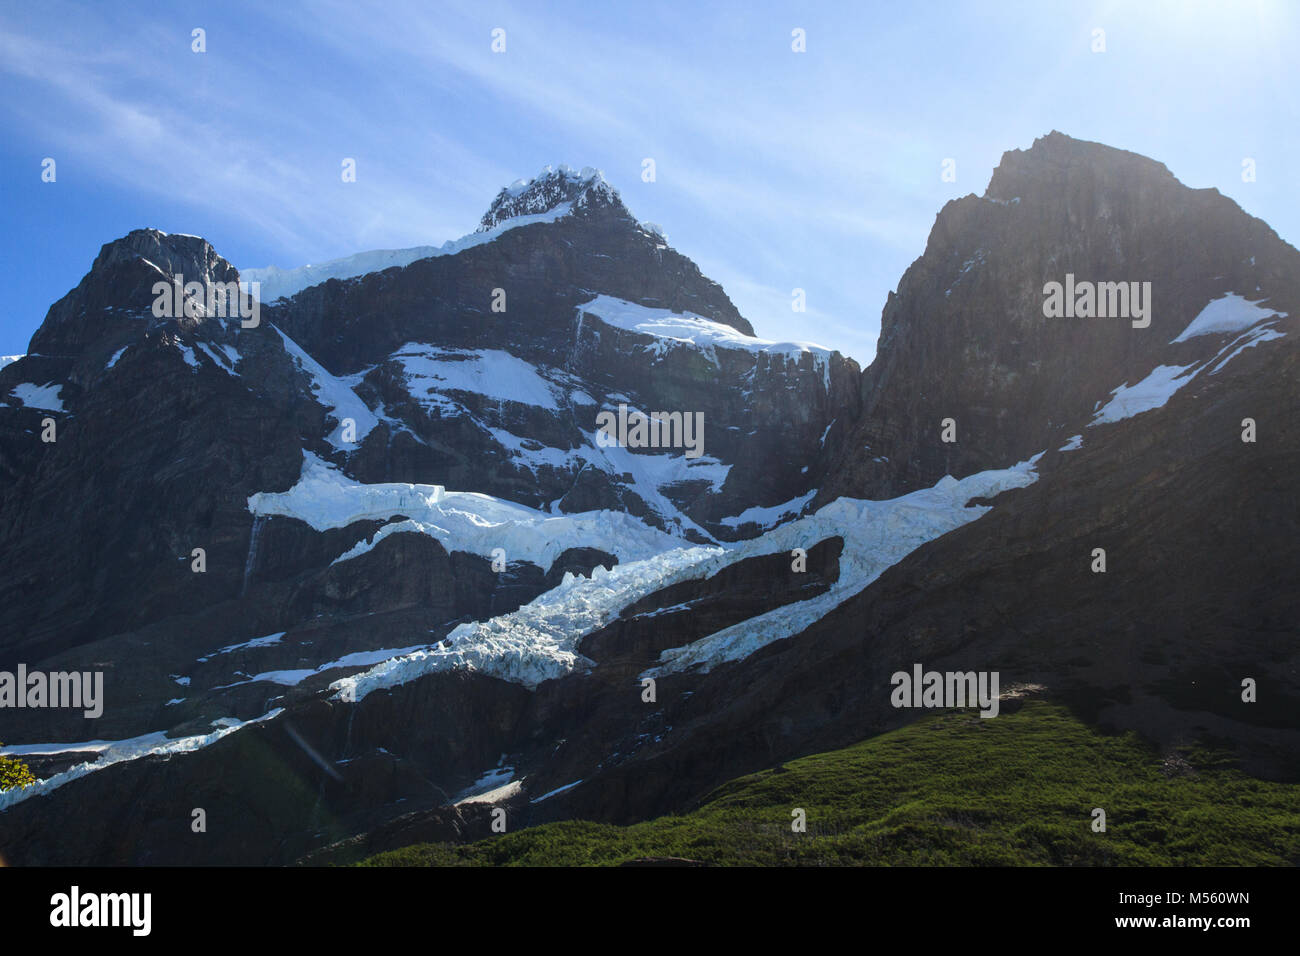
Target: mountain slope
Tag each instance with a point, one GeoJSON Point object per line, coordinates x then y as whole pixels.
{"type": "Point", "coordinates": [432, 588]}
{"type": "Point", "coordinates": [1018, 791]}
{"type": "Point", "coordinates": [966, 336]}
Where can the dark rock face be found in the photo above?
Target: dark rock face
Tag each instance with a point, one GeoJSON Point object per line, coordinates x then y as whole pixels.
{"type": "Point", "coordinates": [393, 762]}
{"type": "Point", "coordinates": [687, 611]}
{"type": "Point", "coordinates": [118, 289]}
{"type": "Point", "coordinates": [763, 414]}
{"type": "Point", "coordinates": [153, 456]}
{"type": "Point", "coordinates": [1200, 531]}
{"type": "Point", "coordinates": [157, 454]}
{"type": "Point", "coordinates": [168, 424]}
{"type": "Point", "coordinates": [276, 791]}
{"type": "Point", "coordinates": [965, 336]}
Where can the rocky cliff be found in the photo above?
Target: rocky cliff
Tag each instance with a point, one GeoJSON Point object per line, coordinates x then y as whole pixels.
{"type": "Point", "coordinates": [432, 589]}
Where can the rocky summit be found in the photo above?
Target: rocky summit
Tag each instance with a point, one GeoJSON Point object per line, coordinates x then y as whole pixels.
{"type": "Point", "coordinates": [535, 521]}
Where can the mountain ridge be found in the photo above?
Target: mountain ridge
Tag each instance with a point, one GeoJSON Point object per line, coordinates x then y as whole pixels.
{"type": "Point", "coordinates": [352, 594]}
{"type": "Point", "coordinates": [555, 192]}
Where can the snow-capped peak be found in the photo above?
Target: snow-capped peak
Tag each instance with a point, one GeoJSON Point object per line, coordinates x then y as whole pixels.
{"type": "Point", "coordinates": [552, 187]}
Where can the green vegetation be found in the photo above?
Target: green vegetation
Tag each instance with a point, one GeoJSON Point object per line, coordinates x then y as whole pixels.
{"type": "Point", "coordinates": [949, 789]}
{"type": "Point", "coordinates": [14, 773]}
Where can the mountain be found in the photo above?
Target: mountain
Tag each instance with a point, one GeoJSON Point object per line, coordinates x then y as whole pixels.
{"type": "Point", "coordinates": [965, 336]}
{"type": "Point", "coordinates": [997, 803]}
{"type": "Point", "coordinates": [547, 197]}
{"type": "Point", "coordinates": [433, 587]}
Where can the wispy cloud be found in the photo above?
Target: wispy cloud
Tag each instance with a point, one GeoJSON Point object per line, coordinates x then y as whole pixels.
{"type": "Point", "coordinates": [774, 169]}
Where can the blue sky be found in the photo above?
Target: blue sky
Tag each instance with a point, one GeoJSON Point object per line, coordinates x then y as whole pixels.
{"type": "Point", "coordinates": [775, 169]}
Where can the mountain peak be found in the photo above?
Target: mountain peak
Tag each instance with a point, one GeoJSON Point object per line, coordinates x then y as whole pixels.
{"type": "Point", "coordinates": [1055, 159]}
{"type": "Point", "coordinates": [120, 283]}
{"type": "Point", "coordinates": [175, 254]}
{"type": "Point", "coordinates": [549, 189]}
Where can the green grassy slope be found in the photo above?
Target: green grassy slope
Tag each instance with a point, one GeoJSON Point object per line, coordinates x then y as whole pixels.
{"type": "Point", "coordinates": [952, 788]}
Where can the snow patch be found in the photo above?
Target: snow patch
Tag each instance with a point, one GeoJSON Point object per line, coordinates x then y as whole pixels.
{"type": "Point", "coordinates": [1227, 314]}
{"type": "Point", "coordinates": [769, 516]}
{"type": "Point", "coordinates": [556, 792]}
{"type": "Point", "coordinates": [675, 329]}
{"type": "Point", "coordinates": [334, 394]}
{"type": "Point", "coordinates": [277, 283]}
{"type": "Point", "coordinates": [118, 751]}
{"type": "Point", "coordinates": [295, 676]}
{"type": "Point", "coordinates": [539, 641]}
{"type": "Point", "coordinates": [266, 641]}
{"type": "Point", "coordinates": [877, 535]}
{"type": "Point", "coordinates": [1249, 340]}
{"type": "Point", "coordinates": [651, 473]}
{"type": "Point", "coordinates": [495, 779]}
{"type": "Point", "coordinates": [495, 795]}
{"type": "Point", "coordinates": [1230, 313]}
{"type": "Point", "coordinates": [431, 372]}
{"type": "Point", "coordinates": [222, 359]}
{"type": "Point", "coordinates": [39, 396]}
{"type": "Point", "coordinates": [1150, 393]}
{"type": "Point", "coordinates": [187, 354]}
{"type": "Point", "coordinates": [325, 498]}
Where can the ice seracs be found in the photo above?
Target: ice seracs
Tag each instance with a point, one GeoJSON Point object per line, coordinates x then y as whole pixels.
{"type": "Point", "coordinates": [540, 640]}
{"type": "Point", "coordinates": [876, 534]}
{"type": "Point", "coordinates": [462, 521]}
